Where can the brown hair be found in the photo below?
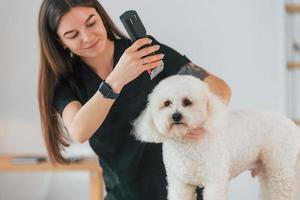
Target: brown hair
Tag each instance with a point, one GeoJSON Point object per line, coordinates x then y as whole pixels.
{"type": "Point", "coordinates": [55, 65]}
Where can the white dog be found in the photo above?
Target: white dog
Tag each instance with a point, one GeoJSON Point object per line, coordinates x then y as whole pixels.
{"type": "Point", "coordinates": [233, 141]}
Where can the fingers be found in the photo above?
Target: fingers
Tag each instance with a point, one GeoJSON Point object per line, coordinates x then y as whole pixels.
{"type": "Point", "coordinates": [139, 43]}
{"type": "Point", "coordinates": [152, 65]}
{"type": "Point", "coordinates": [153, 58]}
{"type": "Point", "coordinates": [139, 56]}
{"type": "Point", "coordinates": [147, 50]}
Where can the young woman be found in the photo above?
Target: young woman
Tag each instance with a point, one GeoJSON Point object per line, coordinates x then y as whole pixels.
{"type": "Point", "coordinates": [93, 82]}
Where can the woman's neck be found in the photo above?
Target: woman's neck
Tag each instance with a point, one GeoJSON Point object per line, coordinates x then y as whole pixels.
{"type": "Point", "coordinates": [102, 65]}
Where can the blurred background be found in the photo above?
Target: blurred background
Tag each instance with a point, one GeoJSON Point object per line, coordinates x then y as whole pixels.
{"type": "Point", "coordinates": [252, 44]}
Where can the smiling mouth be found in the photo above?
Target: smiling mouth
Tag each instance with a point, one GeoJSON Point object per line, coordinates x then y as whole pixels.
{"type": "Point", "coordinates": [93, 45]}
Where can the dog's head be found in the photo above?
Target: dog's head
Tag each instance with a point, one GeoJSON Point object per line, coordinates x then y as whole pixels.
{"type": "Point", "coordinates": [177, 104]}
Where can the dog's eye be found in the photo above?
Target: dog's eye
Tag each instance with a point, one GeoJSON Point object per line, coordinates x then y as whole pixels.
{"type": "Point", "coordinates": [167, 103]}
{"type": "Point", "coordinates": [186, 102]}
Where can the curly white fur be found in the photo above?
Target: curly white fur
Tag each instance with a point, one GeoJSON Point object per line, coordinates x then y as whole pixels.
{"type": "Point", "coordinates": [234, 141]}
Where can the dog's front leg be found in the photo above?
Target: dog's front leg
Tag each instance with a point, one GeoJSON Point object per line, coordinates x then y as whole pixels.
{"type": "Point", "coordinates": [177, 190]}
{"type": "Point", "coordinates": [215, 191]}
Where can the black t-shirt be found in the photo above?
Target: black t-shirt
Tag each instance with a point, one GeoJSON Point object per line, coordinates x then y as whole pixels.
{"type": "Point", "coordinates": [132, 169]}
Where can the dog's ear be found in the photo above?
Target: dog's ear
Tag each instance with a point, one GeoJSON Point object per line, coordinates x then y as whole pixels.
{"type": "Point", "coordinates": [216, 113]}
{"type": "Point", "coordinates": [144, 128]}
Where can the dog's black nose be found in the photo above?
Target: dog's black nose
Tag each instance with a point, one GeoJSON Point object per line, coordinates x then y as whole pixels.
{"type": "Point", "coordinates": [176, 117]}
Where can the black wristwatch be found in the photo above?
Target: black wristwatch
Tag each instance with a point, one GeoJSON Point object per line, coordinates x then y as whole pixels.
{"type": "Point", "coordinates": [106, 91]}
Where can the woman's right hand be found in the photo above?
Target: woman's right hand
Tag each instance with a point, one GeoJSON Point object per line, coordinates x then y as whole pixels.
{"type": "Point", "coordinates": [133, 62]}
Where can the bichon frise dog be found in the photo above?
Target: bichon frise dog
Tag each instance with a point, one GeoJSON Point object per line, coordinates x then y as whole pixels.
{"type": "Point", "coordinates": [233, 141]}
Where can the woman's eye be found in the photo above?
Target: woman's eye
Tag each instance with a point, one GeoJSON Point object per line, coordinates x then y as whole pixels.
{"type": "Point", "coordinates": [91, 24]}
{"type": "Point", "coordinates": [72, 35]}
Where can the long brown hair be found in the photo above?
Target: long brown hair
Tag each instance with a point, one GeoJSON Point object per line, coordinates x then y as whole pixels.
{"type": "Point", "coordinates": [55, 65]}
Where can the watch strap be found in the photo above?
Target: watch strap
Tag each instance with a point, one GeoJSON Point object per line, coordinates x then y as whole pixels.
{"type": "Point", "coordinates": [107, 91]}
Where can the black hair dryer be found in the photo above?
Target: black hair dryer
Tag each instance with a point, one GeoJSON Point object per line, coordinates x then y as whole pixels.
{"type": "Point", "coordinates": [136, 30]}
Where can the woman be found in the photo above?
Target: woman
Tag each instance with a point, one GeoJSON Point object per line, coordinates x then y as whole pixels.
{"type": "Point", "coordinates": [93, 83]}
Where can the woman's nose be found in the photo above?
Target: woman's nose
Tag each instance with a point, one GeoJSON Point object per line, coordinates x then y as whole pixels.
{"type": "Point", "coordinates": [85, 36]}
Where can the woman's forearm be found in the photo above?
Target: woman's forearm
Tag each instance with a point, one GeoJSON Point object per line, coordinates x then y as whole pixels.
{"type": "Point", "coordinates": [89, 118]}
{"type": "Point", "coordinates": [92, 114]}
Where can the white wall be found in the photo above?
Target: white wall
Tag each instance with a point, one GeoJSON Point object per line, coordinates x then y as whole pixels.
{"type": "Point", "coordinates": [293, 36]}
{"type": "Point", "coordinates": [240, 41]}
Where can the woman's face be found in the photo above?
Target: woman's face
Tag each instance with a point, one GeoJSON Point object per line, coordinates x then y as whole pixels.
{"type": "Point", "coordinates": [82, 31]}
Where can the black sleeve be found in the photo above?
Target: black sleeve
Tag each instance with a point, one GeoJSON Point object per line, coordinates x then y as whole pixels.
{"type": "Point", "coordinates": [62, 96]}
{"type": "Point", "coordinates": [173, 60]}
